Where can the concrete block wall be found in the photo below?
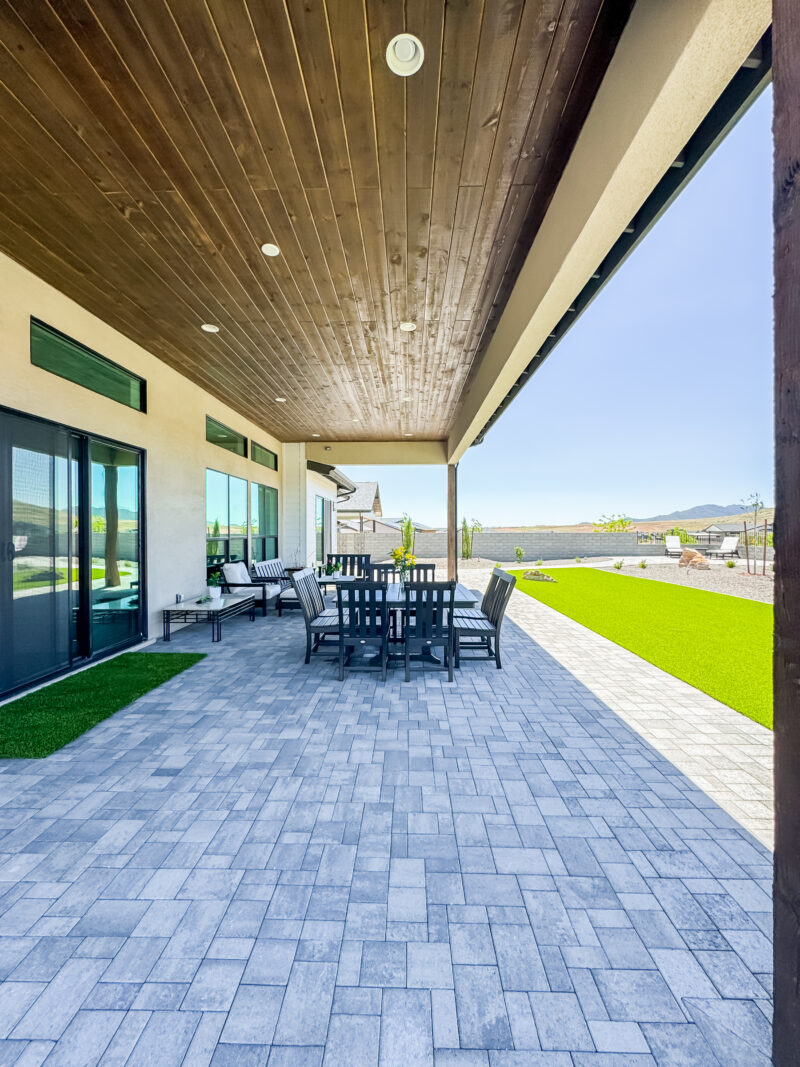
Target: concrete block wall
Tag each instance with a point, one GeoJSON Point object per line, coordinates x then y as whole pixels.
{"type": "Point", "coordinates": [499, 545]}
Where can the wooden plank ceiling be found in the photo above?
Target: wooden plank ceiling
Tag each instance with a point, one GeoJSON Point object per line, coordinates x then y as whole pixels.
{"type": "Point", "coordinates": [148, 148]}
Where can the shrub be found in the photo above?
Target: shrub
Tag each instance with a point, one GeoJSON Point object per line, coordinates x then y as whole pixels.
{"type": "Point", "coordinates": [539, 562]}
{"type": "Point", "coordinates": [618, 565]}
{"type": "Point", "coordinates": [731, 562]}
{"type": "Point", "coordinates": [643, 563]}
{"type": "Point", "coordinates": [577, 559]}
{"type": "Point", "coordinates": [519, 552]}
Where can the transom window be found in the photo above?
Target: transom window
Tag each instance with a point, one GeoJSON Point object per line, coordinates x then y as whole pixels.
{"type": "Point", "coordinates": [225, 437]}
{"type": "Point", "coordinates": [55, 352]}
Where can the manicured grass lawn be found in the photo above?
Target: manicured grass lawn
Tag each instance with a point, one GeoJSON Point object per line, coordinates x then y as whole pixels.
{"type": "Point", "coordinates": [42, 722]}
{"type": "Point", "coordinates": [720, 644]}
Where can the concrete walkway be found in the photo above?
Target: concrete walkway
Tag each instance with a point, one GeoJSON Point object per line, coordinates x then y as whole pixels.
{"type": "Point", "coordinates": [257, 864]}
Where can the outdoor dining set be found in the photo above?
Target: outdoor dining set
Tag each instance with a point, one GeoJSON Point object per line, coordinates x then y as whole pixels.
{"type": "Point", "coordinates": [383, 617]}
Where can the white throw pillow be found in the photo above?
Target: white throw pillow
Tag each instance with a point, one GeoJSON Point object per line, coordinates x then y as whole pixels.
{"type": "Point", "coordinates": [237, 573]}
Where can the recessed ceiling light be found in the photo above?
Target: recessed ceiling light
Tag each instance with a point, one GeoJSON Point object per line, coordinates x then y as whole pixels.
{"type": "Point", "coordinates": [405, 54]}
{"type": "Point", "coordinates": [209, 327]}
{"type": "Point", "coordinates": [408, 435]}
{"type": "Point", "coordinates": [270, 249]}
{"type": "Point", "coordinates": [405, 398]}
{"type": "Point", "coordinates": [408, 327]}
{"type": "Point", "coordinates": [315, 435]}
{"type": "Point", "coordinates": [280, 399]}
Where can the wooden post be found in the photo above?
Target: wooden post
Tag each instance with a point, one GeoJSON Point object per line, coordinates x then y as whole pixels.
{"type": "Point", "coordinates": [746, 548]}
{"type": "Point", "coordinates": [786, 531]}
{"type": "Point", "coordinates": [452, 522]}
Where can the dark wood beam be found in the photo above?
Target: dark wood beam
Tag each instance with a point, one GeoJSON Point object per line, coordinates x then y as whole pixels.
{"type": "Point", "coordinates": [452, 522]}
{"type": "Point", "coordinates": [786, 889]}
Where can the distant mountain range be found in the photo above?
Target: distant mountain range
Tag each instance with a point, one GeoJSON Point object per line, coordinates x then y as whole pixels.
{"type": "Point", "coordinates": [702, 511]}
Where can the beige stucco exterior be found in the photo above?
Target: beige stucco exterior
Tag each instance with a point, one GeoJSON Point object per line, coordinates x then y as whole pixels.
{"type": "Point", "coordinates": [172, 432]}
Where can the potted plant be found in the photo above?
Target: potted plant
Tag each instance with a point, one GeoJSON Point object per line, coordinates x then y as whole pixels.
{"type": "Point", "coordinates": [213, 585]}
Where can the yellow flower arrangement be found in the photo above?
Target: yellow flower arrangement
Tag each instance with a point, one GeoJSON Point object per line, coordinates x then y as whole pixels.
{"type": "Point", "coordinates": [403, 561]}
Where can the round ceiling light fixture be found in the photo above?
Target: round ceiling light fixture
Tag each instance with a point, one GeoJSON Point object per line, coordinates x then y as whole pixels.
{"type": "Point", "coordinates": [315, 435]}
{"type": "Point", "coordinates": [280, 399]}
{"type": "Point", "coordinates": [408, 435]}
{"type": "Point", "coordinates": [270, 249]}
{"type": "Point", "coordinates": [209, 327]}
{"type": "Point", "coordinates": [405, 54]}
{"type": "Point", "coordinates": [408, 327]}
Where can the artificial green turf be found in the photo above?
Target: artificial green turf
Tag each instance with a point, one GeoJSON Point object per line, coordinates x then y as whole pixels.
{"type": "Point", "coordinates": [720, 644]}
{"type": "Point", "coordinates": [39, 723]}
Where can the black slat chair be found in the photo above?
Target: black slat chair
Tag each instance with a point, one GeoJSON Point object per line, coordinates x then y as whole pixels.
{"type": "Point", "coordinates": [428, 622]}
{"type": "Point", "coordinates": [321, 622]}
{"type": "Point", "coordinates": [363, 620]}
{"type": "Point", "coordinates": [383, 572]}
{"type": "Point", "coordinates": [476, 628]}
{"type": "Point", "coordinates": [422, 572]}
{"type": "Point", "coordinates": [352, 563]}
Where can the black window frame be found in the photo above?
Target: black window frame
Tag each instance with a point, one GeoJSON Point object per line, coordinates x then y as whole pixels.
{"type": "Point", "coordinates": [261, 539]}
{"type": "Point", "coordinates": [224, 540]}
{"type": "Point", "coordinates": [261, 448]}
{"type": "Point", "coordinates": [242, 437]}
{"type": "Point", "coordinates": [92, 356]}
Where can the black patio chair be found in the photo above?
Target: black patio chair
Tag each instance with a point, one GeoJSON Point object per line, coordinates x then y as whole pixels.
{"type": "Point", "coordinates": [476, 628]}
{"type": "Point", "coordinates": [383, 572]}
{"type": "Point", "coordinates": [422, 572]}
{"type": "Point", "coordinates": [428, 622]}
{"type": "Point", "coordinates": [351, 563]}
{"type": "Point", "coordinates": [321, 622]}
{"type": "Point", "coordinates": [363, 621]}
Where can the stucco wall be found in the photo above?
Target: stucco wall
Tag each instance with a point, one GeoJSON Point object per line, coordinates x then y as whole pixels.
{"type": "Point", "coordinates": [172, 432]}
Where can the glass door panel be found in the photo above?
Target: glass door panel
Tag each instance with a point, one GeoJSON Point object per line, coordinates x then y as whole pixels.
{"type": "Point", "coordinates": [35, 616]}
{"type": "Point", "coordinates": [114, 494]}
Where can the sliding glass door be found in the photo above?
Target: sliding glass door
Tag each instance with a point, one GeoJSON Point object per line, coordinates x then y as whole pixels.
{"type": "Point", "coordinates": [69, 548]}
{"type": "Point", "coordinates": [35, 577]}
{"type": "Point", "coordinates": [114, 479]}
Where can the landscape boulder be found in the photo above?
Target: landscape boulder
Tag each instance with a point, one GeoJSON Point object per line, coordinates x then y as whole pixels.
{"type": "Point", "coordinates": [537, 576]}
{"type": "Point", "coordinates": [690, 557]}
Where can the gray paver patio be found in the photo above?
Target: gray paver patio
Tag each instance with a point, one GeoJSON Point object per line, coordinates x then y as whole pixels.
{"type": "Point", "coordinates": [495, 872]}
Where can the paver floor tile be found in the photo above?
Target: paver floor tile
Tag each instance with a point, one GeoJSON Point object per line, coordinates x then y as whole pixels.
{"type": "Point", "coordinates": [494, 873]}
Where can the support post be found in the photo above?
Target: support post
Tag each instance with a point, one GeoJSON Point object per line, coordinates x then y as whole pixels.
{"type": "Point", "coordinates": [786, 216]}
{"type": "Point", "coordinates": [452, 522]}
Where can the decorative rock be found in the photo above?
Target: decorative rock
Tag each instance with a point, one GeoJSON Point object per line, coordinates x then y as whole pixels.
{"type": "Point", "coordinates": [537, 576]}
{"type": "Point", "coordinates": [693, 559]}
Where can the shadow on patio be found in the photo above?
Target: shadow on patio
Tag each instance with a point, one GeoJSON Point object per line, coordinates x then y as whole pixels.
{"type": "Point", "coordinates": [256, 863]}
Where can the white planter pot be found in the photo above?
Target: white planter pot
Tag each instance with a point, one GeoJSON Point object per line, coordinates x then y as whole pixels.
{"type": "Point", "coordinates": [214, 592]}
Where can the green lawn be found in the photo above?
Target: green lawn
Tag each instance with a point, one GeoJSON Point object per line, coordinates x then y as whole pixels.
{"type": "Point", "coordinates": [42, 722]}
{"type": "Point", "coordinates": [720, 644]}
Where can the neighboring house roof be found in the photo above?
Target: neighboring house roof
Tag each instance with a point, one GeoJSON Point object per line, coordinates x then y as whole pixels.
{"type": "Point", "coordinates": [733, 527]}
{"type": "Point", "coordinates": [366, 498]}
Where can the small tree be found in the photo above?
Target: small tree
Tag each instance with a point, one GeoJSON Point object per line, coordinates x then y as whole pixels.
{"type": "Point", "coordinates": [612, 524]}
{"type": "Point", "coordinates": [755, 504]}
{"type": "Point", "coordinates": [468, 531]}
{"type": "Point", "coordinates": [519, 552]}
{"type": "Point", "coordinates": [408, 533]}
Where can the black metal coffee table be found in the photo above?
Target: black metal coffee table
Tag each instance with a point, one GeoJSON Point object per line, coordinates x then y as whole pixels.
{"type": "Point", "coordinates": [198, 609]}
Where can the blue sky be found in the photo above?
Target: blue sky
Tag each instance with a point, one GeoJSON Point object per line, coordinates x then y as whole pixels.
{"type": "Point", "coordinates": [660, 397]}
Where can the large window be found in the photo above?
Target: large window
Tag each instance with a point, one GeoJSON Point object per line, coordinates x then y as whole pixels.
{"type": "Point", "coordinates": [263, 456]}
{"type": "Point", "coordinates": [225, 437]}
{"type": "Point", "coordinates": [263, 521]}
{"type": "Point", "coordinates": [55, 352]}
{"type": "Point", "coordinates": [319, 526]}
{"type": "Point", "coordinates": [226, 519]}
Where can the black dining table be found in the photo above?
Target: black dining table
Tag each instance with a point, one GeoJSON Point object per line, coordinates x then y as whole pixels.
{"type": "Point", "coordinates": [396, 595]}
